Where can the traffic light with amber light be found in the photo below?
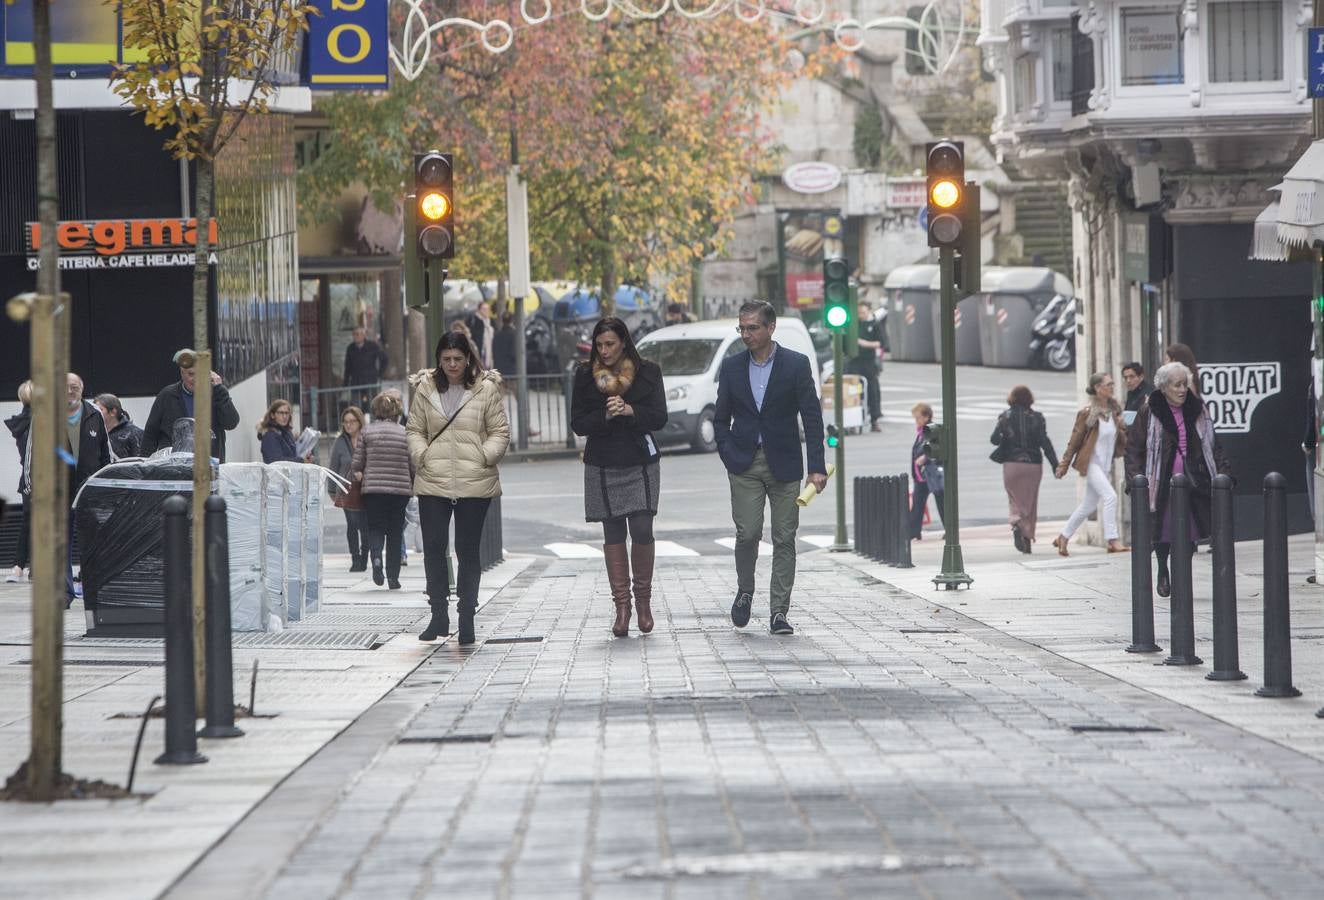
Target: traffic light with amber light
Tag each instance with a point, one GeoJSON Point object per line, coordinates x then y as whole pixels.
{"type": "Point", "coordinates": [945, 176]}
{"type": "Point", "coordinates": [934, 447]}
{"type": "Point", "coordinates": [434, 205]}
{"type": "Point", "coordinates": [836, 293]}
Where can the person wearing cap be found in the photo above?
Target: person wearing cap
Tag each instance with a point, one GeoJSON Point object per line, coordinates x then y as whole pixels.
{"type": "Point", "coordinates": [176, 402]}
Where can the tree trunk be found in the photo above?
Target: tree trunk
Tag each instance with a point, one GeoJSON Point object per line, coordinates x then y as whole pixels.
{"type": "Point", "coordinates": [203, 196]}
{"type": "Point", "coordinates": [610, 280]}
{"type": "Point", "coordinates": [49, 506]}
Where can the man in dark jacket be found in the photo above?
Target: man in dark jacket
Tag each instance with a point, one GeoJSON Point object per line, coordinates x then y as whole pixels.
{"type": "Point", "coordinates": [125, 437]}
{"type": "Point", "coordinates": [503, 347]}
{"type": "Point", "coordinates": [760, 394]}
{"type": "Point", "coordinates": [864, 363]}
{"type": "Point", "coordinates": [1138, 387]}
{"type": "Point", "coordinates": [176, 402]}
{"type": "Point", "coordinates": [364, 360]}
{"type": "Point", "coordinates": [86, 441]}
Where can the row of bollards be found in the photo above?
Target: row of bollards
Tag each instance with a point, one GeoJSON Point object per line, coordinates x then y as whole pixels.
{"type": "Point", "coordinates": [181, 735]}
{"type": "Point", "coordinates": [882, 519]}
{"type": "Point", "coordinates": [1277, 619]}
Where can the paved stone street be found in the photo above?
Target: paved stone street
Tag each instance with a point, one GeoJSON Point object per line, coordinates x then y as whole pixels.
{"type": "Point", "coordinates": [889, 749]}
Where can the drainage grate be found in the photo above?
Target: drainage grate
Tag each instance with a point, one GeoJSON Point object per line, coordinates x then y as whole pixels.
{"type": "Point", "coordinates": [1116, 729]}
{"type": "Point", "coordinates": [127, 663]}
{"type": "Point", "coordinates": [446, 739]}
{"type": "Point", "coordinates": [928, 631]}
{"type": "Point", "coordinates": [529, 639]}
{"type": "Point", "coordinates": [368, 618]}
{"type": "Point", "coordinates": [321, 640]}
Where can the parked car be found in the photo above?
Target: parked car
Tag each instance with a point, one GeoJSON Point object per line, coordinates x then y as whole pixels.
{"type": "Point", "coordinates": [690, 356]}
{"type": "Point", "coordinates": [575, 314]}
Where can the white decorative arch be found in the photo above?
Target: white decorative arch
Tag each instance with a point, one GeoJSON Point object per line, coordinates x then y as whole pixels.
{"type": "Point", "coordinates": [938, 43]}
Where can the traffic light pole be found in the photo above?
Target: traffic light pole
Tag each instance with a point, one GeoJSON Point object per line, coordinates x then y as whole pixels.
{"type": "Point", "coordinates": [953, 575]}
{"type": "Point", "coordinates": [840, 543]}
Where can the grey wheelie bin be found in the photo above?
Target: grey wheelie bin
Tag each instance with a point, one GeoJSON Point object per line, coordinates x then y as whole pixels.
{"type": "Point", "coordinates": [909, 296]}
{"type": "Point", "coordinates": [1010, 299]}
{"type": "Point", "coordinates": [967, 324]}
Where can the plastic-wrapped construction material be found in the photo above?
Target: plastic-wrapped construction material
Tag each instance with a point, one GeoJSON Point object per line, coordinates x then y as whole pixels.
{"type": "Point", "coordinates": [295, 527]}
{"type": "Point", "coordinates": [243, 485]}
{"type": "Point", "coordinates": [118, 514]}
{"type": "Point", "coordinates": [274, 562]}
{"type": "Point", "coordinates": [315, 501]}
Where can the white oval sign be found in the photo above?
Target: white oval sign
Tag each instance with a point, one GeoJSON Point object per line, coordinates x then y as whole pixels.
{"type": "Point", "coordinates": [812, 177]}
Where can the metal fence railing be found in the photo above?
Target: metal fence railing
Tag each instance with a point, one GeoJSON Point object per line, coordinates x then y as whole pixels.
{"type": "Point", "coordinates": [548, 401]}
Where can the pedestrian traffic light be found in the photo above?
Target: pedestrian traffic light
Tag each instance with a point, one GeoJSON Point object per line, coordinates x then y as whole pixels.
{"type": "Point", "coordinates": [434, 204]}
{"type": "Point", "coordinates": [933, 442]}
{"type": "Point", "coordinates": [946, 194]}
{"type": "Point", "coordinates": [833, 436]}
{"type": "Point", "coordinates": [836, 293]}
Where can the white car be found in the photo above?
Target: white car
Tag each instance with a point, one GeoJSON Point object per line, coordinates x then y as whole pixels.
{"type": "Point", "coordinates": [690, 357]}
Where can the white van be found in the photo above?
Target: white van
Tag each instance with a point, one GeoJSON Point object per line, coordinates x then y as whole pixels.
{"type": "Point", "coordinates": [690, 357]}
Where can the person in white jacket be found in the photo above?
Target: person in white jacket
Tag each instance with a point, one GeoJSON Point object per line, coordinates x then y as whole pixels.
{"type": "Point", "coordinates": [457, 434]}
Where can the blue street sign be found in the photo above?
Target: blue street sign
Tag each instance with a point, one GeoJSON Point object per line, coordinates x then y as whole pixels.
{"type": "Point", "coordinates": [348, 46]}
{"type": "Point", "coordinates": [1315, 62]}
{"type": "Point", "coordinates": [923, 218]}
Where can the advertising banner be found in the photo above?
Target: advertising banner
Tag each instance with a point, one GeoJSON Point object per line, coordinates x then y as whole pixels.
{"type": "Point", "coordinates": [347, 46]}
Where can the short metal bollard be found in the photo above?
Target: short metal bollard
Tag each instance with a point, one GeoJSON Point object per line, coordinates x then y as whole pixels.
{"type": "Point", "coordinates": [1142, 571]}
{"type": "Point", "coordinates": [1227, 662]}
{"type": "Point", "coordinates": [875, 489]}
{"type": "Point", "coordinates": [1182, 618]}
{"type": "Point", "coordinates": [857, 513]}
{"type": "Point", "coordinates": [1277, 617]}
{"type": "Point", "coordinates": [903, 523]}
{"type": "Point", "coordinates": [888, 519]}
{"type": "Point", "coordinates": [181, 740]}
{"type": "Point", "coordinates": [219, 691]}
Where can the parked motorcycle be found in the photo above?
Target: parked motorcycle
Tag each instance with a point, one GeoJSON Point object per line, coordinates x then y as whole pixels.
{"type": "Point", "coordinates": [1053, 335]}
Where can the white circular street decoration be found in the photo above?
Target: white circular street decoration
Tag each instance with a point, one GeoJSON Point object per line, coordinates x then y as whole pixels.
{"type": "Point", "coordinates": [812, 177]}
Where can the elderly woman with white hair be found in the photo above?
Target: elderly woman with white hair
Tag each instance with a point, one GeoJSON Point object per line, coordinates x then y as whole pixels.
{"type": "Point", "coordinates": [1173, 435]}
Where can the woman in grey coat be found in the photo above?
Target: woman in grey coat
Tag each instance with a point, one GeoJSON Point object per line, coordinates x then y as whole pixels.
{"type": "Point", "coordinates": [382, 463]}
{"type": "Point", "coordinates": [342, 458]}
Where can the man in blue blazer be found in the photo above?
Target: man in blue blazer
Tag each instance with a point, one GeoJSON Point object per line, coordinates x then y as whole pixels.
{"type": "Point", "coordinates": [760, 393]}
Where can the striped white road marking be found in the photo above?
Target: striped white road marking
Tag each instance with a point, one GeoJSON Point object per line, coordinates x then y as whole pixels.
{"type": "Point", "coordinates": [671, 548]}
{"type": "Point", "coordinates": [567, 550]}
{"type": "Point", "coordinates": [765, 549]}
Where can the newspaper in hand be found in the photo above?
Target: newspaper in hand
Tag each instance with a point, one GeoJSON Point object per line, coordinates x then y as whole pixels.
{"type": "Point", "coordinates": [307, 442]}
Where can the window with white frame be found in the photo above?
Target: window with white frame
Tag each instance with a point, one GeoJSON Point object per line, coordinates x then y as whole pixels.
{"type": "Point", "coordinates": [1059, 41]}
{"type": "Point", "coordinates": [1025, 94]}
{"type": "Point", "coordinates": [1246, 41]}
{"type": "Point", "coordinates": [1151, 45]}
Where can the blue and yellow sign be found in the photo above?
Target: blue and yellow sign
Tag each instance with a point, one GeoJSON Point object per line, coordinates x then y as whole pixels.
{"type": "Point", "coordinates": [85, 34]}
{"type": "Point", "coordinates": [347, 46]}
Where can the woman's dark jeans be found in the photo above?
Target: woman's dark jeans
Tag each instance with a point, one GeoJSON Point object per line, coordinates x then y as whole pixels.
{"type": "Point", "coordinates": [434, 519]}
{"type": "Point", "coordinates": [386, 525]}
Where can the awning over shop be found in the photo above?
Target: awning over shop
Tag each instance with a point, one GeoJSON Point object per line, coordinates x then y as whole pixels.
{"type": "Point", "coordinates": [1301, 200]}
{"type": "Point", "coordinates": [1264, 244]}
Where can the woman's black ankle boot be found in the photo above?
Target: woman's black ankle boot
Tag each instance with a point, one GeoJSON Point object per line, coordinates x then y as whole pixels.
{"type": "Point", "coordinates": [440, 623]}
{"type": "Point", "coordinates": [466, 609]}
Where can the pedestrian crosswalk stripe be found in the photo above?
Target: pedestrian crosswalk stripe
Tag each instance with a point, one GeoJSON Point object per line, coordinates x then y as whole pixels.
{"type": "Point", "coordinates": [671, 548]}
{"type": "Point", "coordinates": [566, 550]}
{"type": "Point", "coordinates": [765, 549]}
{"type": "Point", "coordinates": [818, 540]}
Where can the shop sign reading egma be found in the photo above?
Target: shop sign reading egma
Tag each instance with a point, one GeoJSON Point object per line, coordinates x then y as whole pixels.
{"type": "Point", "coordinates": [123, 243]}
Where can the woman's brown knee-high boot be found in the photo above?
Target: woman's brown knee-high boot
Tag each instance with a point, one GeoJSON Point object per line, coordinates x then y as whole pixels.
{"type": "Point", "coordinates": [618, 577]}
{"type": "Point", "coordinates": [641, 561]}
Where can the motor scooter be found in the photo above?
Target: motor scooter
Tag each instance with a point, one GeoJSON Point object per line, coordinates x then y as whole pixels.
{"type": "Point", "coordinates": [1053, 335]}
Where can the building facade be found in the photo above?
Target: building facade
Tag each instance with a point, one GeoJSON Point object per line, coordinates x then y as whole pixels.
{"type": "Point", "coordinates": [1170, 122]}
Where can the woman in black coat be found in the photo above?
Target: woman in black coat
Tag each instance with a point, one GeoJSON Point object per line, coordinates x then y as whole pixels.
{"type": "Point", "coordinates": [618, 402]}
{"type": "Point", "coordinates": [1173, 435]}
{"type": "Point", "coordinates": [1021, 437]}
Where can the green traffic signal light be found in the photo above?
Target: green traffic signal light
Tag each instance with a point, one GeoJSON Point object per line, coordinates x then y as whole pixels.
{"type": "Point", "coordinates": [836, 293]}
{"type": "Point", "coordinates": [837, 316]}
{"type": "Point", "coordinates": [833, 436]}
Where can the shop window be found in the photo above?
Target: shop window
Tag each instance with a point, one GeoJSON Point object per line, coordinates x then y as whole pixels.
{"type": "Point", "coordinates": [1246, 41]}
{"type": "Point", "coordinates": [1059, 39]}
{"type": "Point", "coordinates": [1151, 46]}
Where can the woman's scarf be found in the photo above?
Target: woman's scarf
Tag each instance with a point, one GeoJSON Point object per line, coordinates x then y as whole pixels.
{"type": "Point", "coordinates": [1111, 410]}
{"type": "Point", "coordinates": [1154, 448]}
{"type": "Point", "coordinates": [615, 380]}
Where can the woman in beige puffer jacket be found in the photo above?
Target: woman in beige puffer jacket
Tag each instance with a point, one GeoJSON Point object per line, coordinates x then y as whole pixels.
{"type": "Point", "coordinates": [457, 434]}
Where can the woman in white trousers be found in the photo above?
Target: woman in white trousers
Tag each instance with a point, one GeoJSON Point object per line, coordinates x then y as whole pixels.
{"type": "Point", "coordinates": [1097, 438]}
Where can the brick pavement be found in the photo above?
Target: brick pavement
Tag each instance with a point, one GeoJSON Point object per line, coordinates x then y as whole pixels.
{"type": "Point", "coordinates": [890, 749]}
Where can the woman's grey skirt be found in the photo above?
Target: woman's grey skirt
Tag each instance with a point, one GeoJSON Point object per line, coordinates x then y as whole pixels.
{"type": "Point", "coordinates": [618, 492]}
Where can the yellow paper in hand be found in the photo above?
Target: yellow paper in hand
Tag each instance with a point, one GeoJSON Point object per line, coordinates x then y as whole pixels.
{"type": "Point", "coordinates": [810, 492]}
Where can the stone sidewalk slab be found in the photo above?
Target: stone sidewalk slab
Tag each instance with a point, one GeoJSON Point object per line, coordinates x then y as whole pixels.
{"type": "Point", "coordinates": [892, 748]}
{"type": "Point", "coordinates": [135, 848]}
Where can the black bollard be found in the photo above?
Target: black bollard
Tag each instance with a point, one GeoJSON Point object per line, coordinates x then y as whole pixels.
{"type": "Point", "coordinates": [1142, 581]}
{"type": "Point", "coordinates": [875, 517]}
{"type": "Point", "coordinates": [1182, 617]}
{"type": "Point", "coordinates": [181, 740]}
{"type": "Point", "coordinates": [888, 548]}
{"type": "Point", "coordinates": [903, 523]}
{"type": "Point", "coordinates": [1277, 619]}
{"type": "Point", "coordinates": [857, 513]}
{"type": "Point", "coordinates": [1227, 663]}
{"type": "Point", "coordinates": [220, 671]}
